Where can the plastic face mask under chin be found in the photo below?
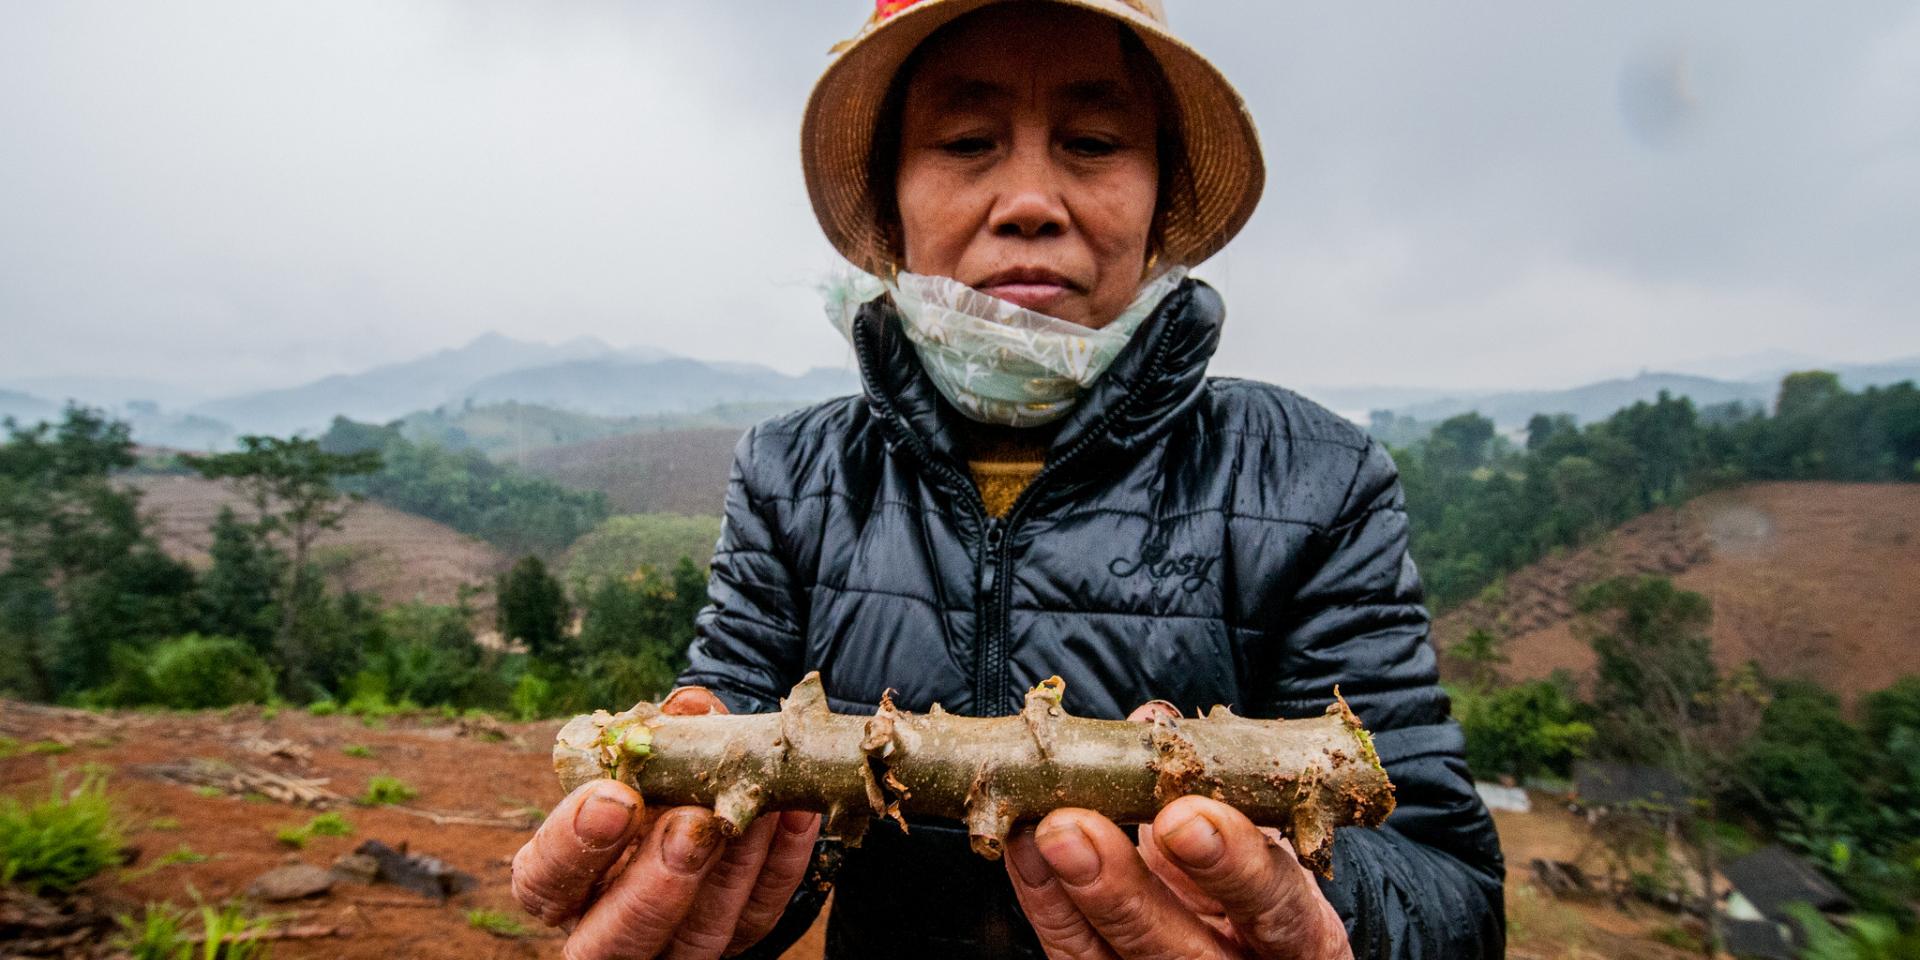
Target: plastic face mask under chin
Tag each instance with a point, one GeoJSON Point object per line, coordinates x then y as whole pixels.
{"type": "Point", "coordinates": [994, 361]}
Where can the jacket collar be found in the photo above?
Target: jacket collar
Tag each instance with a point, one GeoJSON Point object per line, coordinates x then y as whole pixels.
{"type": "Point", "coordinates": [1156, 377]}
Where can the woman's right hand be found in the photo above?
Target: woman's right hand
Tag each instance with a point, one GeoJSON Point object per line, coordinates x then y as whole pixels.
{"type": "Point", "coordinates": [628, 884]}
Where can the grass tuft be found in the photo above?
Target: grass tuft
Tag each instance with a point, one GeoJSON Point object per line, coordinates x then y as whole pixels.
{"type": "Point", "coordinates": [358, 750]}
{"type": "Point", "coordinates": [57, 843]}
{"type": "Point", "coordinates": [383, 789]}
{"type": "Point", "coordinates": [324, 825]}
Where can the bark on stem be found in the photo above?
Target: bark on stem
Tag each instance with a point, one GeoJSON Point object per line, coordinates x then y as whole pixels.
{"type": "Point", "coordinates": [1304, 777]}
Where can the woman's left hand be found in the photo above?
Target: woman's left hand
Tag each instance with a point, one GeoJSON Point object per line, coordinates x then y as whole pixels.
{"type": "Point", "coordinates": [1202, 882]}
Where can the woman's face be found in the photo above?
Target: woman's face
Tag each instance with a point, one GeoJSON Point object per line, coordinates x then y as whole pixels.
{"type": "Point", "coordinates": [1029, 162]}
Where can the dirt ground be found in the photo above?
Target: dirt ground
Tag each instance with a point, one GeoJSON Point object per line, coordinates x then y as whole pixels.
{"type": "Point", "coordinates": [396, 556]}
{"type": "Point", "coordinates": [506, 783]}
{"type": "Point", "coordinates": [1810, 580]}
{"type": "Point", "coordinates": [503, 784]}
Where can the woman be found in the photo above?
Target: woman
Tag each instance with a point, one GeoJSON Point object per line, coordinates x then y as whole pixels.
{"type": "Point", "coordinates": [1040, 480]}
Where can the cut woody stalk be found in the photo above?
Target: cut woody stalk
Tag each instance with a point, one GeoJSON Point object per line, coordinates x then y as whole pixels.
{"type": "Point", "coordinates": [1304, 777]}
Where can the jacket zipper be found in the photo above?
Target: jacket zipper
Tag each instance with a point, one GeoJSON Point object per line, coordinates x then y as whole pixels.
{"type": "Point", "coordinates": [988, 577]}
{"type": "Point", "coordinates": [999, 674]}
{"type": "Point", "coordinates": [993, 678]}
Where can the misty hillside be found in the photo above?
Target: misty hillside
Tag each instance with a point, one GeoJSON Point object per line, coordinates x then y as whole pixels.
{"type": "Point", "coordinates": [1597, 401]}
{"type": "Point", "coordinates": [392, 391]}
{"type": "Point", "coordinates": [512, 430]}
{"type": "Point", "coordinates": [581, 376]}
{"type": "Point", "coordinates": [623, 387]}
{"type": "Point", "coordinates": [26, 408]}
{"type": "Point", "coordinates": [1594, 401]}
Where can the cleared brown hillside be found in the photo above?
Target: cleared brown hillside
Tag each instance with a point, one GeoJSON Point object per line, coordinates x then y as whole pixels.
{"type": "Point", "coordinates": [396, 556]}
{"type": "Point", "coordinates": [1819, 581]}
{"type": "Point", "coordinates": [674, 471]}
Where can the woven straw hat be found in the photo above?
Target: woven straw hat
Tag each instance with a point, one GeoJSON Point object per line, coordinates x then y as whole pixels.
{"type": "Point", "coordinates": [1222, 147]}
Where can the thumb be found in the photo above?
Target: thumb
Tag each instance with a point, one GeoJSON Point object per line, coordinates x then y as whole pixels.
{"type": "Point", "coordinates": [692, 702]}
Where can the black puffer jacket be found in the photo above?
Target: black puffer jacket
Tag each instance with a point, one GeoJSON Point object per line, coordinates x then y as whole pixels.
{"type": "Point", "coordinates": [1195, 540]}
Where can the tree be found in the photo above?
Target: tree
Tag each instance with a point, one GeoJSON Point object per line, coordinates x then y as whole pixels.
{"type": "Point", "coordinates": [79, 570]}
{"type": "Point", "coordinates": [1805, 392]}
{"type": "Point", "coordinates": [531, 607]}
{"type": "Point", "coordinates": [1461, 444]}
{"type": "Point", "coordinates": [238, 593]}
{"type": "Point", "coordinates": [1660, 700]}
{"type": "Point", "coordinates": [1807, 761]}
{"type": "Point", "coordinates": [1523, 730]}
{"type": "Point", "coordinates": [291, 485]}
{"type": "Point", "coordinates": [1543, 429]}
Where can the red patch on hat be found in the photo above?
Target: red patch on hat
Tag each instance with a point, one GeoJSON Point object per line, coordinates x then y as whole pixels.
{"type": "Point", "coordinates": [882, 9]}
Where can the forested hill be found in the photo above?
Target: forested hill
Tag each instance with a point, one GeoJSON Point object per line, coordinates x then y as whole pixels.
{"type": "Point", "coordinates": [1482, 507]}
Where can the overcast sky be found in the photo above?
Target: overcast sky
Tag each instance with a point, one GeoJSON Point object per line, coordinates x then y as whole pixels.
{"type": "Point", "coordinates": [228, 194]}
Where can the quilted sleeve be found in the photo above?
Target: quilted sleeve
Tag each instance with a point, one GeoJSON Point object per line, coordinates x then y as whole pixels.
{"type": "Point", "coordinates": [1429, 884]}
{"type": "Point", "coordinates": [748, 640]}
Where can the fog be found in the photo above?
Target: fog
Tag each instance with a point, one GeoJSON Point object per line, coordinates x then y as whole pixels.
{"type": "Point", "coordinates": [228, 194]}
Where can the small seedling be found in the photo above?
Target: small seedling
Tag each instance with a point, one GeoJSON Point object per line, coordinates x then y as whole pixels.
{"type": "Point", "coordinates": [496, 922]}
{"type": "Point", "coordinates": [182, 854]}
{"type": "Point", "coordinates": [358, 750]}
{"type": "Point", "coordinates": [167, 824]}
{"type": "Point", "coordinates": [295, 837]}
{"type": "Point", "coordinates": [382, 790]}
{"type": "Point", "coordinates": [208, 791]}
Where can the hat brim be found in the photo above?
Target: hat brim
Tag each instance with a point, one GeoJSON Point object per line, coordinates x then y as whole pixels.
{"type": "Point", "coordinates": [836, 138]}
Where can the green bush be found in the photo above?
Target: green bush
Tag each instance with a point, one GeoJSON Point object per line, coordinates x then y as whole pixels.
{"type": "Point", "coordinates": [201, 673]}
{"type": "Point", "coordinates": [57, 843]}
{"type": "Point", "coordinates": [1522, 730]}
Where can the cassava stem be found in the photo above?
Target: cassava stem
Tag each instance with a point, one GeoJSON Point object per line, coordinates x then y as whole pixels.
{"type": "Point", "coordinates": [1304, 777]}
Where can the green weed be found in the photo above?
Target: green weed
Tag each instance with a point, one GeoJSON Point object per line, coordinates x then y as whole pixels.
{"type": "Point", "coordinates": [496, 922]}
{"type": "Point", "coordinates": [358, 750]}
{"type": "Point", "coordinates": [382, 790]}
{"type": "Point", "coordinates": [57, 843]}
{"type": "Point", "coordinates": [324, 825]}
{"type": "Point", "coordinates": [178, 856]}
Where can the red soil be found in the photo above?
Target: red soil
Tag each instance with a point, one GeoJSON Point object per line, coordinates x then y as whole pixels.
{"type": "Point", "coordinates": [1819, 581]}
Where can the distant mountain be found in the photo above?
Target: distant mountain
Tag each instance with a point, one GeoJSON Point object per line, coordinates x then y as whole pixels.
{"type": "Point", "coordinates": [623, 387]}
{"type": "Point", "coordinates": [511, 431]}
{"type": "Point", "coordinates": [1595, 401]}
{"type": "Point", "coordinates": [1862, 376]}
{"type": "Point", "coordinates": [392, 391]}
{"type": "Point", "coordinates": [176, 431]}
{"type": "Point", "coordinates": [106, 391]}
{"type": "Point", "coordinates": [26, 408]}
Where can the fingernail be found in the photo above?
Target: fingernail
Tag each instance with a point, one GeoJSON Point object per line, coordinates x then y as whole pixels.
{"type": "Point", "coordinates": [1069, 851]}
{"type": "Point", "coordinates": [678, 693]}
{"type": "Point", "coordinates": [602, 819]}
{"type": "Point", "coordinates": [1159, 708]}
{"type": "Point", "coordinates": [691, 839]}
{"type": "Point", "coordinates": [1195, 842]}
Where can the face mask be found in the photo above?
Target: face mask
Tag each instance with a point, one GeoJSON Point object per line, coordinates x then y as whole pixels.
{"type": "Point", "coordinates": [994, 361]}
